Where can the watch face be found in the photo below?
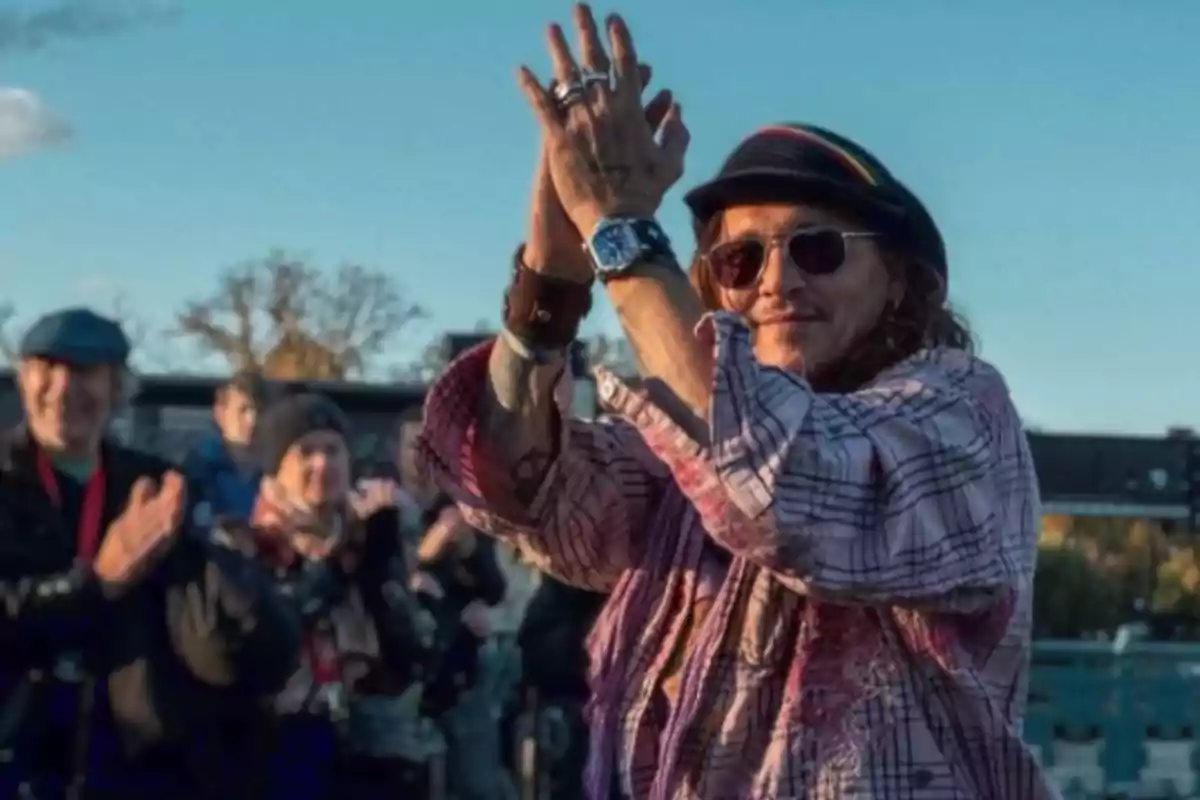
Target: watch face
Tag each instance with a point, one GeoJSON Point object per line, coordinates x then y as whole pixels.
{"type": "Point", "coordinates": [614, 247]}
{"type": "Point", "coordinates": [611, 248]}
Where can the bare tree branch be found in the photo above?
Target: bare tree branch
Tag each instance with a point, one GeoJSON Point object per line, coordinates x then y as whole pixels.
{"type": "Point", "coordinates": [285, 317]}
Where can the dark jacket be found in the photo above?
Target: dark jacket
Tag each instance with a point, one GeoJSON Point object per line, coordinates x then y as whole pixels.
{"type": "Point", "coordinates": [553, 639]}
{"type": "Point", "coordinates": [463, 580]}
{"type": "Point", "coordinates": [202, 636]}
{"type": "Point", "coordinates": [380, 577]}
{"type": "Point", "coordinates": [305, 756]}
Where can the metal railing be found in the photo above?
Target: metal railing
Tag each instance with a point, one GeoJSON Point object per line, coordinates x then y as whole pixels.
{"type": "Point", "coordinates": [1112, 721]}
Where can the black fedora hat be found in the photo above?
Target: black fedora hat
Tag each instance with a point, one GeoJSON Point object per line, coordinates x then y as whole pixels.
{"type": "Point", "coordinates": [796, 163]}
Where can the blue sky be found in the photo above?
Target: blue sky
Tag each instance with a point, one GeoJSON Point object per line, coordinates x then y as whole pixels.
{"type": "Point", "coordinates": [1055, 142]}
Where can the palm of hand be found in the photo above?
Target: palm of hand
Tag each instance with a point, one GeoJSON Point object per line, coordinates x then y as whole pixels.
{"type": "Point", "coordinates": [281, 512]}
{"type": "Point", "coordinates": [150, 519]}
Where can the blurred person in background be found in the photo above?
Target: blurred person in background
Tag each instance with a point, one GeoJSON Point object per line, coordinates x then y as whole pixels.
{"type": "Point", "coordinates": [554, 670]}
{"type": "Point", "coordinates": [125, 632]}
{"type": "Point", "coordinates": [348, 720]}
{"type": "Point", "coordinates": [458, 573]}
{"type": "Point", "coordinates": [416, 483]}
{"type": "Point", "coordinates": [222, 469]}
{"type": "Point", "coordinates": [815, 519]}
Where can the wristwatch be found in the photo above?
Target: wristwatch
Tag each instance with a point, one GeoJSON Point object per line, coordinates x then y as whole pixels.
{"type": "Point", "coordinates": [619, 243]}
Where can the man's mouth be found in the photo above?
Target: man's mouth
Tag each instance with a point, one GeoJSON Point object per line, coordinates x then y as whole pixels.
{"type": "Point", "coordinates": [794, 317]}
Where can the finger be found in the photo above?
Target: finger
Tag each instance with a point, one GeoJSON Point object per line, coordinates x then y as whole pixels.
{"type": "Point", "coordinates": [271, 491]}
{"type": "Point", "coordinates": [374, 485]}
{"type": "Point", "coordinates": [561, 59]}
{"type": "Point", "coordinates": [143, 491]}
{"type": "Point", "coordinates": [175, 512]}
{"type": "Point", "coordinates": [657, 108]}
{"type": "Point", "coordinates": [271, 494]}
{"type": "Point", "coordinates": [540, 100]}
{"type": "Point", "coordinates": [591, 51]}
{"type": "Point", "coordinates": [357, 503]}
{"type": "Point", "coordinates": [645, 73]}
{"type": "Point", "coordinates": [172, 489]}
{"type": "Point", "coordinates": [625, 63]}
{"type": "Point", "coordinates": [674, 137]}
{"type": "Point", "coordinates": [546, 202]}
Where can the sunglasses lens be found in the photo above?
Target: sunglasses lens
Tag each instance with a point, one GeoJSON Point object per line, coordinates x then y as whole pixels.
{"type": "Point", "coordinates": [735, 265]}
{"type": "Point", "coordinates": [817, 252]}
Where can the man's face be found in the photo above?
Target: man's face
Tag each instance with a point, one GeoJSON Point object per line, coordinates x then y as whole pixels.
{"type": "Point", "coordinates": [67, 407]}
{"type": "Point", "coordinates": [236, 413]}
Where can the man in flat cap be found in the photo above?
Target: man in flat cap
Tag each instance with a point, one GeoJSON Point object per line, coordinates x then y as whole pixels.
{"type": "Point", "coordinates": [126, 634]}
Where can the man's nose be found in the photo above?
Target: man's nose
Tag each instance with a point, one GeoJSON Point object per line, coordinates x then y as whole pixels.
{"type": "Point", "coordinates": [779, 276]}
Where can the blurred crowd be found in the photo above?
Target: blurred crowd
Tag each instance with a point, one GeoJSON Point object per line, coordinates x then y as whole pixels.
{"type": "Point", "coordinates": [267, 618]}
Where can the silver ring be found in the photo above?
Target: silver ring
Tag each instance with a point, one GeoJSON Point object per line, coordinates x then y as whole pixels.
{"type": "Point", "coordinates": [590, 77]}
{"type": "Point", "coordinates": [567, 92]}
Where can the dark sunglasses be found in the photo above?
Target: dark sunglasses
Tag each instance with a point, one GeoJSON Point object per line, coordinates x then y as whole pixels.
{"type": "Point", "coordinates": [739, 263]}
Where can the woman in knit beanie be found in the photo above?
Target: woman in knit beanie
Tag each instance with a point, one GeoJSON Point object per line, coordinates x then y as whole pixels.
{"type": "Point", "coordinates": [334, 548]}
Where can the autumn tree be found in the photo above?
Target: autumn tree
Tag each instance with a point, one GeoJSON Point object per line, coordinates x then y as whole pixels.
{"type": "Point", "coordinates": [1093, 572]}
{"type": "Point", "coordinates": [1178, 585]}
{"type": "Point", "coordinates": [288, 319]}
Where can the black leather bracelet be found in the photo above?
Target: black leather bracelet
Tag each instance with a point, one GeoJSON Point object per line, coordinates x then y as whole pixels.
{"type": "Point", "coordinates": [543, 311]}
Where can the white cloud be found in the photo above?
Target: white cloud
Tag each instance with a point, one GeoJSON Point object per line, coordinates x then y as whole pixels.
{"type": "Point", "coordinates": [26, 124]}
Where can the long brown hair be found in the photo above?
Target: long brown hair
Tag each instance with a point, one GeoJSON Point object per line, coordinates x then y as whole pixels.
{"type": "Point", "coordinates": [922, 318]}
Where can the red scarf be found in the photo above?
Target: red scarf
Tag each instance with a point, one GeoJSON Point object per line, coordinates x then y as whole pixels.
{"type": "Point", "coordinates": [319, 644]}
{"type": "Point", "coordinates": [91, 515]}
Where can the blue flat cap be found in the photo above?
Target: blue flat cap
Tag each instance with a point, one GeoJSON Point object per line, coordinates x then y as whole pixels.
{"type": "Point", "coordinates": [76, 336]}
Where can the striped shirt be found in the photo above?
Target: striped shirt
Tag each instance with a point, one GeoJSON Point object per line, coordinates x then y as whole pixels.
{"type": "Point", "coordinates": [870, 634]}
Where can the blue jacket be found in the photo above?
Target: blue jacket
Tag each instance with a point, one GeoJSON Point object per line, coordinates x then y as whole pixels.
{"type": "Point", "coordinates": [214, 479]}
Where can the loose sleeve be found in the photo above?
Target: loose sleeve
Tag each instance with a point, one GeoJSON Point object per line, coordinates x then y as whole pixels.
{"type": "Point", "coordinates": [919, 488]}
{"type": "Point", "coordinates": [587, 522]}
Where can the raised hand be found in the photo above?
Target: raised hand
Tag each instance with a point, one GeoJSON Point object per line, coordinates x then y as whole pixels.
{"type": "Point", "coordinates": [606, 155]}
{"type": "Point", "coordinates": [298, 524]}
{"type": "Point", "coordinates": [424, 583]}
{"type": "Point", "coordinates": [553, 246]}
{"type": "Point", "coordinates": [136, 539]}
{"type": "Point", "coordinates": [372, 495]}
{"type": "Point", "coordinates": [476, 617]}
